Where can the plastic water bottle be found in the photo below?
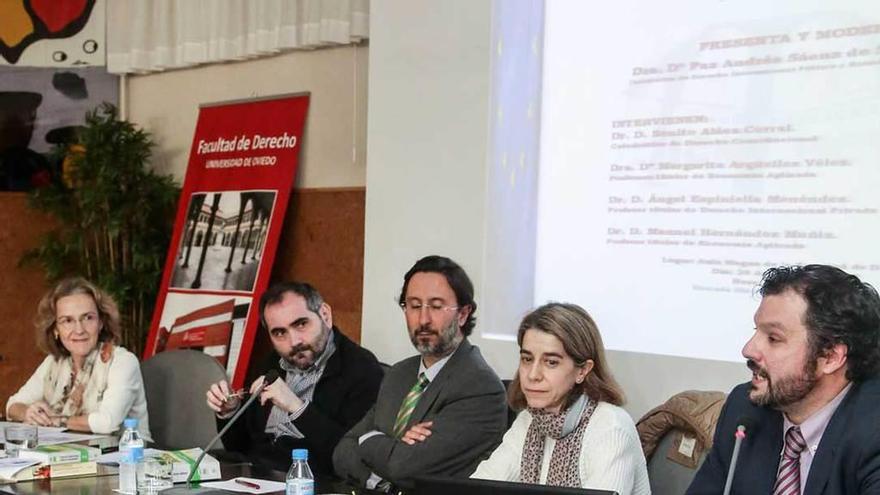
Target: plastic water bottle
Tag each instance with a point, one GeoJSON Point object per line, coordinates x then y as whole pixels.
{"type": "Point", "coordinates": [300, 480]}
{"type": "Point", "coordinates": [131, 437]}
{"type": "Point", "coordinates": [128, 467]}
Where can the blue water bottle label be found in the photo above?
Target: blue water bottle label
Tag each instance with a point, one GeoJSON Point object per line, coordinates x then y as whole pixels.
{"type": "Point", "coordinates": [300, 487]}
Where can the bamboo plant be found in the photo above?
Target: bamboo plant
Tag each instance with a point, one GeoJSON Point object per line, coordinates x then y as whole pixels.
{"type": "Point", "coordinates": [114, 218]}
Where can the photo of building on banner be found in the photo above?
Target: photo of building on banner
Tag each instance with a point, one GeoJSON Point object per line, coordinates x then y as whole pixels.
{"type": "Point", "coordinates": [224, 240]}
{"type": "Point", "coordinates": [241, 170]}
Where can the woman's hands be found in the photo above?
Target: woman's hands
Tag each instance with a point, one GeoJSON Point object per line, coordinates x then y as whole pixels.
{"type": "Point", "coordinates": [39, 414]}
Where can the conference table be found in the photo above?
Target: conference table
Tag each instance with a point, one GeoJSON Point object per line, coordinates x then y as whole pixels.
{"type": "Point", "coordinates": [232, 465]}
{"type": "Point", "coordinates": [107, 481]}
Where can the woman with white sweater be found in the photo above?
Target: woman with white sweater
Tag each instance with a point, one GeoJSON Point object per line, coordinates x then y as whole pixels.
{"type": "Point", "coordinates": [87, 382]}
{"type": "Point", "coordinates": [572, 431]}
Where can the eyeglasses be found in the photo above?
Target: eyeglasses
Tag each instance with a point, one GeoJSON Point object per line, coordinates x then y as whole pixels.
{"type": "Point", "coordinates": [434, 308]}
{"type": "Point", "coordinates": [88, 320]}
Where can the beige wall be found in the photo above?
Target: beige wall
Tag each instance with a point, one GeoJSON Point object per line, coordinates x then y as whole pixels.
{"type": "Point", "coordinates": [334, 152]}
{"type": "Point", "coordinates": [429, 98]}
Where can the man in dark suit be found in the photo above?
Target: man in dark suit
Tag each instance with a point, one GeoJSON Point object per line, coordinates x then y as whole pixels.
{"type": "Point", "coordinates": [440, 412]}
{"type": "Point", "coordinates": [327, 384]}
{"type": "Point", "coordinates": [813, 405]}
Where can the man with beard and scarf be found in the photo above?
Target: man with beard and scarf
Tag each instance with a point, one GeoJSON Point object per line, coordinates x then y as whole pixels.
{"type": "Point", "coordinates": [440, 412]}
{"type": "Point", "coordinates": [326, 384]}
{"type": "Point", "coordinates": [813, 404]}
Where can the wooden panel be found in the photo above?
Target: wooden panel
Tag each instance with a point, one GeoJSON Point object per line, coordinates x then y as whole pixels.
{"type": "Point", "coordinates": [22, 287]}
{"type": "Point", "coordinates": [323, 244]}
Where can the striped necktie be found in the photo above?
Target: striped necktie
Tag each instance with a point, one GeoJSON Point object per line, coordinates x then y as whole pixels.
{"type": "Point", "coordinates": [788, 480]}
{"type": "Point", "coordinates": [409, 404]}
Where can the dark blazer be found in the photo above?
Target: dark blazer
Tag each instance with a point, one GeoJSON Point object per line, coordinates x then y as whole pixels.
{"type": "Point", "coordinates": [345, 392]}
{"type": "Point", "coordinates": [466, 402]}
{"type": "Point", "coordinates": [846, 462]}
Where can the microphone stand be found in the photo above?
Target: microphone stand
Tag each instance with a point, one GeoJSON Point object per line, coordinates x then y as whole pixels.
{"type": "Point", "coordinates": [270, 378]}
{"type": "Point", "coordinates": [740, 434]}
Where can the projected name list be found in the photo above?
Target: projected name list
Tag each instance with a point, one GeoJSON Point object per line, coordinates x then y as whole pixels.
{"type": "Point", "coordinates": [688, 158]}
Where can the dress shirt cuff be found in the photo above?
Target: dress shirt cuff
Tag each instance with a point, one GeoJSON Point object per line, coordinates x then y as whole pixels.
{"type": "Point", "coordinates": [375, 482]}
{"type": "Point", "coordinates": [296, 413]}
{"type": "Point", "coordinates": [288, 427]}
{"type": "Point", "coordinates": [370, 434]}
{"type": "Point", "coordinates": [227, 415]}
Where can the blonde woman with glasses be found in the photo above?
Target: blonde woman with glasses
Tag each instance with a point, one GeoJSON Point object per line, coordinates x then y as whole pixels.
{"type": "Point", "coordinates": [87, 382]}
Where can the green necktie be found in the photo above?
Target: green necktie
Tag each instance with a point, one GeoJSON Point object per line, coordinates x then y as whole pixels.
{"type": "Point", "coordinates": [409, 404]}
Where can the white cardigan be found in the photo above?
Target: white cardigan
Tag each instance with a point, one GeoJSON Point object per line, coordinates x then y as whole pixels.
{"type": "Point", "coordinates": [123, 398]}
{"type": "Point", "coordinates": [611, 454]}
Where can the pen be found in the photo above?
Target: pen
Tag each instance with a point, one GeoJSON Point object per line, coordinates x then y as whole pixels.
{"type": "Point", "coordinates": [247, 484]}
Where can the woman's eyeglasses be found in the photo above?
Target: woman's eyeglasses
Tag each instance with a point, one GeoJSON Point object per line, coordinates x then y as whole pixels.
{"type": "Point", "coordinates": [88, 320]}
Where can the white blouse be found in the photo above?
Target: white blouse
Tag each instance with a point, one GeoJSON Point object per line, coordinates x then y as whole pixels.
{"type": "Point", "coordinates": [123, 398]}
{"type": "Point", "coordinates": [611, 454]}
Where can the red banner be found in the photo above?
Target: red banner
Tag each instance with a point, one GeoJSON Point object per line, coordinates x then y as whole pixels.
{"type": "Point", "coordinates": [241, 170]}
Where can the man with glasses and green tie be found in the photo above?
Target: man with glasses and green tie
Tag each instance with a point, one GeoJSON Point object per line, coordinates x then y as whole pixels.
{"type": "Point", "coordinates": [440, 412]}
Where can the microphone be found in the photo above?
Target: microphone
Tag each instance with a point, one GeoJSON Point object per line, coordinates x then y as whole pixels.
{"type": "Point", "coordinates": [269, 379]}
{"type": "Point", "coordinates": [743, 425]}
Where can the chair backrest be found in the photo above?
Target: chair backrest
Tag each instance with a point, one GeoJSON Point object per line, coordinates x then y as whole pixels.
{"type": "Point", "coordinates": [666, 476]}
{"type": "Point", "coordinates": [175, 383]}
{"type": "Point", "coordinates": [676, 437]}
{"type": "Point", "coordinates": [511, 414]}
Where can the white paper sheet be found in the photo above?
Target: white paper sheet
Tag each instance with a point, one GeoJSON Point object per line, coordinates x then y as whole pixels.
{"type": "Point", "coordinates": [266, 486]}
{"type": "Point", "coordinates": [55, 438]}
{"type": "Point", "coordinates": [11, 465]}
{"type": "Point", "coordinates": [47, 431]}
{"type": "Point", "coordinates": [113, 458]}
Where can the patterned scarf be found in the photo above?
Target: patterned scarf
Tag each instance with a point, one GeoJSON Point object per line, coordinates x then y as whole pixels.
{"type": "Point", "coordinates": [75, 395]}
{"type": "Point", "coordinates": [303, 384]}
{"type": "Point", "coordinates": [564, 466]}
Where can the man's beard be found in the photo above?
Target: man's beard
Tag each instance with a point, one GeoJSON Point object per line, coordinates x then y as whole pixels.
{"type": "Point", "coordinates": [447, 341]}
{"type": "Point", "coordinates": [783, 391]}
{"type": "Point", "coordinates": [298, 357]}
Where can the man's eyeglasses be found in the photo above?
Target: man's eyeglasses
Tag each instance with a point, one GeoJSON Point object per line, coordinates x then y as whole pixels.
{"type": "Point", "coordinates": [88, 320]}
{"type": "Point", "coordinates": [434, 308]}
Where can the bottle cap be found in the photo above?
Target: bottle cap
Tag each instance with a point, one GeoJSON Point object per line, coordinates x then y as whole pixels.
{"type": "Point", "coordinates": [130, 422]}
{"type": "Point", "coordinates": [300, 454]}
